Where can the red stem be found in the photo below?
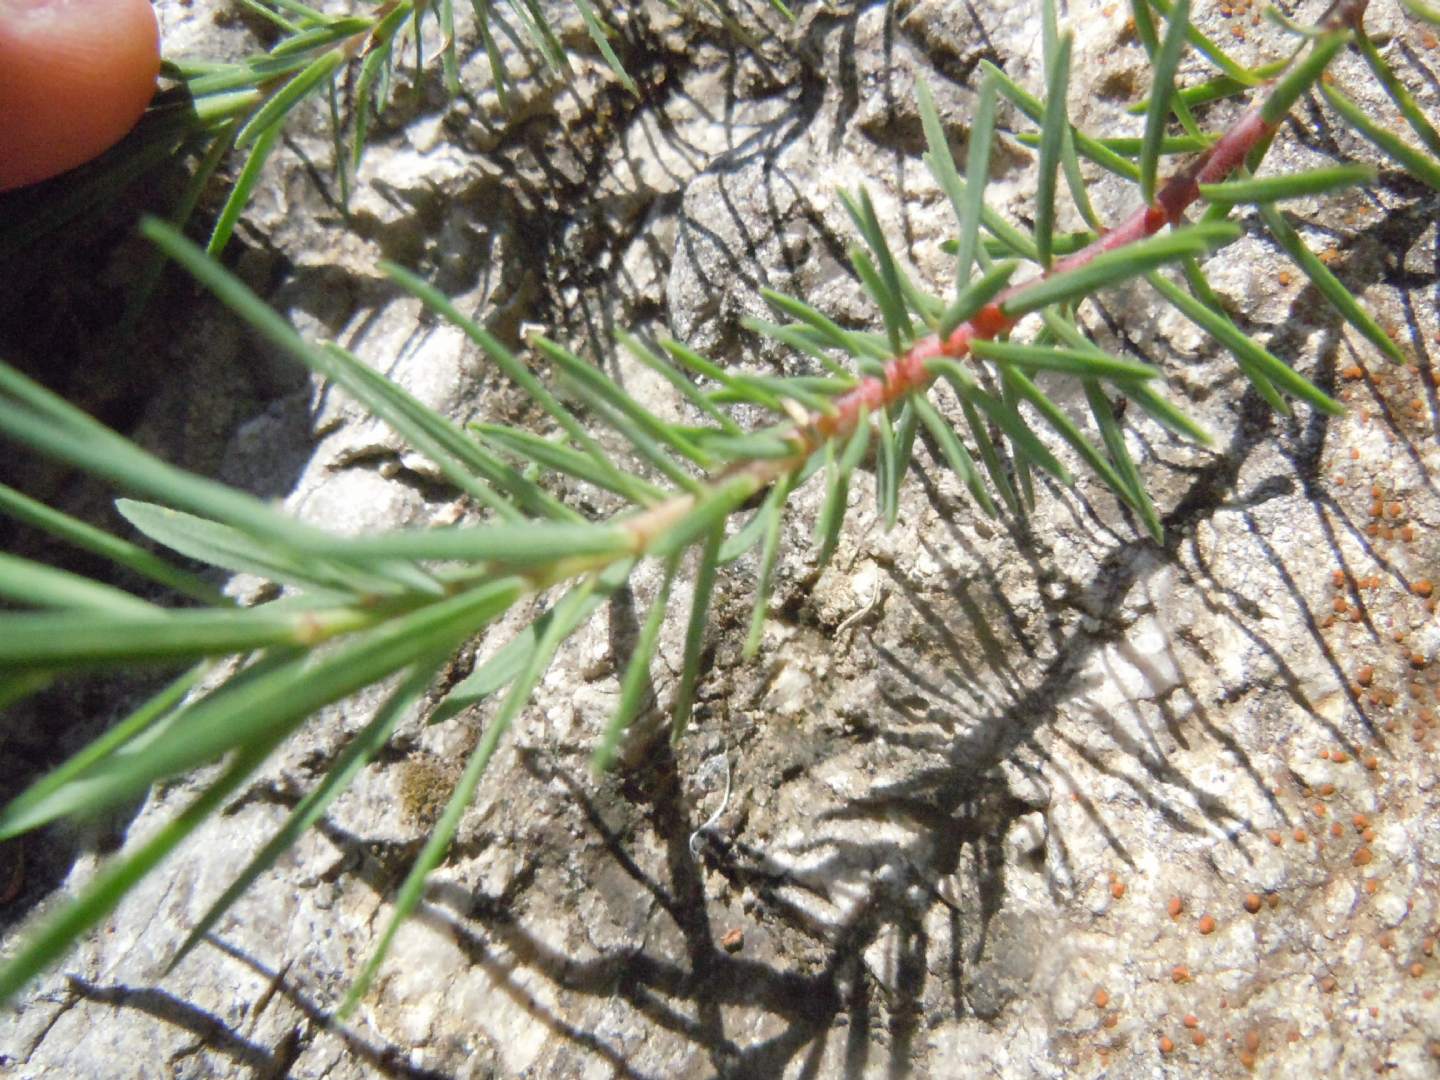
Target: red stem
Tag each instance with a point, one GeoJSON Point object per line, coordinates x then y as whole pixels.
{"type": "Point", "coordinates": [908, 373]}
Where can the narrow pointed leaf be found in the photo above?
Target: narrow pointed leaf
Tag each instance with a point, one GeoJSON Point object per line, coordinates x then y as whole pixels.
{"type": "Point", "coordinates": [34, 584]}
{"type": "Point", "coordinates": [862, 213]}
{"type": "Point", "coordinates": [272, 704]}
{"type": "Point", "coordinates": [1066, 429]}
{"type": "Point", "coordinates": [977, 175]}
{"type": "Point", "coordinates": [220, 545]}
{"type": "Point", "coordinates": [687, 388]}
{"type": "Point", "coordinates": [270, 115]}
{"type": "Point", "coordinates": [240, 193]}
{"type": "Point", "coordinates": [58, 934]}
{"type": "Point", "coordinates": [121, 552]}
{"type": "Point", "coordinates": [559, 458]}
{"type": "Point", "coordinates": [1112, 267]}
{"type": "Point", "coordinates": [1114, 438]}
{"type": "Point", "coordinates": [1289, 186]}
{"type": "Point", "coordinates": [1083, 362]}
{"type": "Point", "coordinates": [892, 307]}
{"type": "Point", "coordinates": [884, 467]}
{"type": "Point", "coordinates": [955, 453]}
{"type": "Point", "coordinates": [636, 680]}
{"type": "Point", "coordinates": [845, 340]}
{"type": "Point", "coordinates": [989, 455]}
{"type": "Point", "coordinates": [510, 659]}
{"type": "Point", "coordinates": [705, 573]}
{"type": "Point", "coordinates": [599, 386]}
{"type": "Point", "coordinates": [1329, 285]}
{"type": "Point", "coordinates": [599, 34]}
{"type": "Point", "coordinates": [511, 366]}
{"type": "Point", "coordinates": [1162, 88]}
{"type": "Point", "coordinates": [772, 514]}
{"type": "Point", "coordinates": [1205, 295]}
{"type": "Point", "coordinates": [1302, 76]}
{"type": "Point", "coordinates": [1228, 334]}
{"type": "Point", "coordinates": [1031, 107]}
{"type": "Point", "coordinates": [432, 854]}
{"type": "Point", "coordinates": [154, 710]}
{"type": "Point", "coordinates": [359, 752]}
{"type": "Point", "coordinates": [1005, 418]}
{"type": "Point", "coordinates": [1413, 161]}
{"type": "Point", "coordinates": [1052, 138]}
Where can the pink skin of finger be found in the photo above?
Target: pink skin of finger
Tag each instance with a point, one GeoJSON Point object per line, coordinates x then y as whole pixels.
{"type": "Point", "coordinates": [75, 75]}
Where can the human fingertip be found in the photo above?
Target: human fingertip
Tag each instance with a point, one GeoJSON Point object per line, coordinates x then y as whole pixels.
{"type": "Point", "coordinates": [75, 76]}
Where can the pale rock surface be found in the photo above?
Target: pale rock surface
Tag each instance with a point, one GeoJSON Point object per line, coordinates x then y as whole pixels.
{"type": "Point", "coordinates": [948, 809]}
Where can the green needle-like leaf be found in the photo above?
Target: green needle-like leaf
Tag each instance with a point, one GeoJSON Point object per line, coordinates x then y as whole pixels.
{"type": "Point", "coordinates": [410, 892]}
{"type": "Point", "coordinates": [1052, 139]}
{"type": "Point", "coordinates": [989, 455]}
{"type": "Point", "coordinates": [121, 552]}
{"type": "Point", "coordinates": [1086, 363]}
{"type": "Point", "coordinates": [80, 640]}
{"type": "Point", "coordinates": [705, 573]}
{"type": "Point", "coordinates": [520, 545]}
{"type": "Point", "coordinates": [510, 659]}
{"type": "Point", "coordinates": [37, 585]}
{"type": "Point", "coordinates": [1329, 285]}
{"type": "Point", "coordinates": [59, 933]}
{"type": "Point", "coordinates": [862, 213]}
{"type": "Point", "coordinates": [600, 387]}
{"type": "Point", "coordinates": [803, 339]}
{"type": "Point", "coordinates": [892, 306]}
{"type": "Point", "coordinates": [968, 197]}
{"type": "Point", "coordinates": [359, 752]}
{"type": "Point", "coordinates": [600, 35]}
{"type": "Point", "coordinates": [886, 499]}
{"type": "Point", "coordinates": [1302, 76]}
{"type": "Point", "coordinates": [1399, 94]}
{"type": "Point", "coordinates": [1167, 63]}
{"type": "Point", "coordinates": [271, 704]}
{"type": "Point", "coordinates": [636, 680]}
{"type": "Point", "coordinates": [1066, 429]}
{"type": "Point", "coordinates": [1112, 267]}
{"type": "Point", "coordinates": [1004, 417]}
{"type": "Point", "coordinates": [450, 62]}
{"type": "Point", "coordinates": [32, 415]}
{"type": "Point", "coordinates": [1216, 55]}
{"type": "Point", "coordinates": [837, 488]}
{"type": "Point", "coordinates": [1412, 160]}
{"type": "Point", "coordinates": [695, 362]}
{"type": "Point", "coordinates": [270, 115]}
{"type": "Point", "coordinates": [899, 463]}
{"type": "Point", "coordinates": [1246, 350]}
{"type": "Point", "coordinates": [239, 196]}
{"type": "Point", "coordinates": [1290, 186]}
{"type": "Point", "coordinates": [1114, 439]}
{"type": "Point", "coordinates": [955, 453]}
{"type": "Point", "coordinates": [1035, 110]}
{"type": "Point", "coordinates": [771, 514]}
{"type": "Point", "coordinates": [560, 458]}
{"type": "Point", "coordinates": [977, 175]}
{"type": "Point", "coordinates": [847, 341]}
{"type": "Point", "coordinates": [690, 391]}
{"type": "Point", "coordinates": [229, 549]}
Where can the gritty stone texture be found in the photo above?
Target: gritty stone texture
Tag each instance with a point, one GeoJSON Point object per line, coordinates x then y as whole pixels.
{"type": "Point", "coordinates": [938, 826]}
